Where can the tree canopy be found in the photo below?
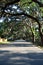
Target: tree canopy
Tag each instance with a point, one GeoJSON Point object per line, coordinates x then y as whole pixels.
{"type": "Point", "coordinates": [13, 12]}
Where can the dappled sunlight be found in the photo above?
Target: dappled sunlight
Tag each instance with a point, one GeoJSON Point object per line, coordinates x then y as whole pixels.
{"type": "Point", "coordinates": [20, 47]}
{"type": "Point", "coordinates": [21, 29]}
{"type": "Point", "coordinates": [11, 58]}
{"type": "Point", "coordinates": [18, 43]}
{"type": "Point", "coordinates": [20, 52]}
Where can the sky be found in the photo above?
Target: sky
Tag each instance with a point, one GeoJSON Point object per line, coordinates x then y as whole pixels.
{"type": "Point", "coordinates": [15, 7]}
{"type": "Point", "coordinates": [1, 19]}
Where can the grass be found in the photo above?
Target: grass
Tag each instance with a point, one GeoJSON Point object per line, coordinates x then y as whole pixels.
{"type": "Point", "coordinates": [40, 47]}
{"type": "Point", "coordinates": [4, 42]}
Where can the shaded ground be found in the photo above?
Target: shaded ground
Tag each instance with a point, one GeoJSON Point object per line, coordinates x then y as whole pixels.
{"type": "Point", "coordinates": [20, 52]}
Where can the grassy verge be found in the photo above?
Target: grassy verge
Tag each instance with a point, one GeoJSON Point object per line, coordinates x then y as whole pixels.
{"type": "Point", "coordinates": [4, 42]}
{"type": "Point", "coordinates": [41, 47]}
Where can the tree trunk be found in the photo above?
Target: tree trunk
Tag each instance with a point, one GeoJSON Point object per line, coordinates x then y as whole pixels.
{"type": "Point", "coordinates": [41, 35]}
{"type": "Point", "coordinates": [41, 40]}
{"type": "Point", "coordinates": [33, 38]}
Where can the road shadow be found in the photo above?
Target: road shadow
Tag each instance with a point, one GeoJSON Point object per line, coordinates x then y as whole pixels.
{"type": "Point", "coordinates": [8, 58]}
{"type": "Point", "coordinates": [16, 45]}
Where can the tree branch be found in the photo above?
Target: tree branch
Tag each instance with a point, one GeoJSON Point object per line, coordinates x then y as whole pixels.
{"type": "Point", "coordinates": [23, 13]}
{"type": "Point", "coordinates": [10, 3]}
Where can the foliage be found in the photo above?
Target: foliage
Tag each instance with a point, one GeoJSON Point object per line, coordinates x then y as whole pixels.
{"type": "Point", "coordinates": [21, 18]}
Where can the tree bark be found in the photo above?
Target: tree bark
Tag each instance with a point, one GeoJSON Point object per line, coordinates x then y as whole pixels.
{"type": "Point", "coordinates": [33, 38]}
{"type": "Point", "coordinates": [41, 35]}
{"type": "Point", "coordinates": [41, 39]}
